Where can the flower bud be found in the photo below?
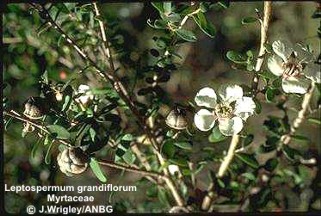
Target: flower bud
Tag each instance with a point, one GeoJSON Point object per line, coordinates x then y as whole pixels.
{"type": "Point", "coordinates": [72, 161]}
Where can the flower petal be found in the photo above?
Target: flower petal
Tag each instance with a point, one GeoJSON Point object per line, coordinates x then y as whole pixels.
{"type": "Point", "coordinates": [275, 65]}
{"type": "Point", "coordinates": [83, 88]}
{"type": "Point", "coordinates": [230, 127]}
{"type": "Point", "coordinates": [244, 107]}
{"type": "Point", "coordinates": [206, 97]}
{"type": "Point", "coordinates": [295, 85]}
{"type": "Point", "coordinates": [230, 93]}
{"type": "Point", "coordinates": [204, 119]}
{"type": "Point", "coordinates": [313, 72]}
{"type": "Point", "coordinates": [172, 168]}
{"type": "Point", "coordinates": [282, 49]}
{"type": "Point", "coordinates": [304, 55]}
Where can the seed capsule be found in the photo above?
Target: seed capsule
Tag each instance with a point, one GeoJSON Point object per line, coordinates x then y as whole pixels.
{"type": "Point", "coordinates": [177, 119]}
{"type": "Point", "coordinates": [34, 108]}
{"type": "Point", "coordinates": [72, 161]}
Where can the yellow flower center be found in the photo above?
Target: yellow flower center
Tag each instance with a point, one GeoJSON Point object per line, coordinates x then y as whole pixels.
{"type": "Point", "coordinates": [293, 67]}
{"type": "Point", "coordinates": [223, 110]}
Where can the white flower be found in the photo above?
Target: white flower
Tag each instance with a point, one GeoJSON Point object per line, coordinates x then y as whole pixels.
{"type": "Point", "coordinates": [230, 111]}
{"type": "Point", "coordinates": [172, 168]}
{"type": "Point", "coordinates": [85, 94]}
{"type": "Point", "coordinates": [295, 66]}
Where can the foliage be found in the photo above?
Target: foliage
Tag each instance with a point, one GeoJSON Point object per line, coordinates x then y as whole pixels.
{"type": "Point", "coordinates": [111, 98]}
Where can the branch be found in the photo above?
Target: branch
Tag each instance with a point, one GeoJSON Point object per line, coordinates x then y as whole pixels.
{"type": "Point", "coordinates": [228, 158]}
{"type": "Point", "coordinates": [124, 94]}
{"type": "Point", "coordinates": [132, 169]}
{"type": "Point", "coordinates": [107, 53]}
{"type": "Point", "coordinates": [262, 51]}
{"type": "Point", "coordinates": [15, 115]}
{"type": "Point", "coordinates": [285, 139]}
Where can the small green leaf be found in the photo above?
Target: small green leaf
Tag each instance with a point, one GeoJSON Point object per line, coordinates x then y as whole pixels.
{"type": "Point", "coordinates": [162, 196]}
{"type": "Point", "coordinates": [207, 27]}
{"type": "Point", "coordinates": [129, 157]}
{"type": "Point", "coordinates": [151, 191]}
{"type": "Point", "coordinates": [268, 47]}
{"type": "Point", "coordinates": [92, 134]}
{"type": "Point", "coordinates": [248, 20]}
{"type": "Point", "coordinates": [271, 164]}
{"type": "Point", "coordinates": [236, 57]}
{"type": "Point", "coordinates": [270, 94]}
{"type": "Point", "coordinates": [186, 35]}
{"type": "Point", "coordinates": [183, 145]}
{"type": "Point", "coordinates": [315, 121]}
{"type": "Point", "coordinates": [224, 4]}
{"type": "Point", "coordinates": [258, 106]}
{"type": "Point", "coordinates": [249, 159]}
{"type": "Point", "coordinates": [290, 153]}
{"type": "Point", "coordinates": [95, 167]}
{"type": "Point", "coordinates": [167, 7]}
{"type": "Point", "coordinates": [204, 6]}
{"type": "Point", "coordinates": [277, 83]}
{"type": "Point", "coordinates": [267, 75]}
{"type": "Point", "coordinates": [127, 137]}
{"type": "Point", "coordinates": [59, 131]}
{"type": "Point", "coordinates": [35, 147]}
{"type": "Point", "coordinates": [221, 183]}
{"type": "Point", "coordinates": [67, 103]}
{"type": "Point", "coordinates": [249, 176]}
{"type": "Point", "coordinates": [158, 6]}
{"type": "Point", "coordinates": [46, 141]}
{"type": "Point", "coordinates": [47, 157]}
{"type": "Point", "coordinates": [216, 136]}
{"type": "Point", "coordinates": [179, 162]}
{"type": "Point", "coordinates": [301, 138]}
{"type": "Point", "coordinates": [168, 149]}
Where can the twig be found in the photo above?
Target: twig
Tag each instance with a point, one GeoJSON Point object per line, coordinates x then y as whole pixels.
{"type": "Point", "coordinates": [42, 128]}
{"type": "Point", "coordinates": [141, 157]}
{"type": "Point", "coordinates": [228, 158]}
{"type": "Point", "coordinates": [262, 51]}
{"type": "Point", "coordinates": [188, 16]}
{"type": "Point", "coordinates": [132, 169]}
{"type": "Point", "coordinates": [285, 139]}
{"type": "Point", "coordinates": [124, 94]}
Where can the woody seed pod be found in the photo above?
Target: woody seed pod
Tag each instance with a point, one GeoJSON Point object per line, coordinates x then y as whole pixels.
{"type": "Point", "coordinates": [177, 119]}
{"type": "Point", "coordinates": [72, 161]}
{"type": "Point", "coordinates": [34, 108]}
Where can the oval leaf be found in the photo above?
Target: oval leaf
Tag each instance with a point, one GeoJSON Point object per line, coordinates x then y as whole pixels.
{"type": "Point", "coordinates": [236, 57]}
{"type": "Point", "coordinates": [183, 145]}
{"type": "Point", "coordinates": [186, 35]}
{"type": "Point", "coordinates": [95, 167]}
{"type": "Point", "coordinates": [216, 136]}
{"type": "Point", "coordinates": [59, 131]}
{"type": "Point", "coordinates": [248, 159]}
{"type": "Point", "coordinates": [207, 27]}
{"type": "Point", "coordinates": [248, 20]}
